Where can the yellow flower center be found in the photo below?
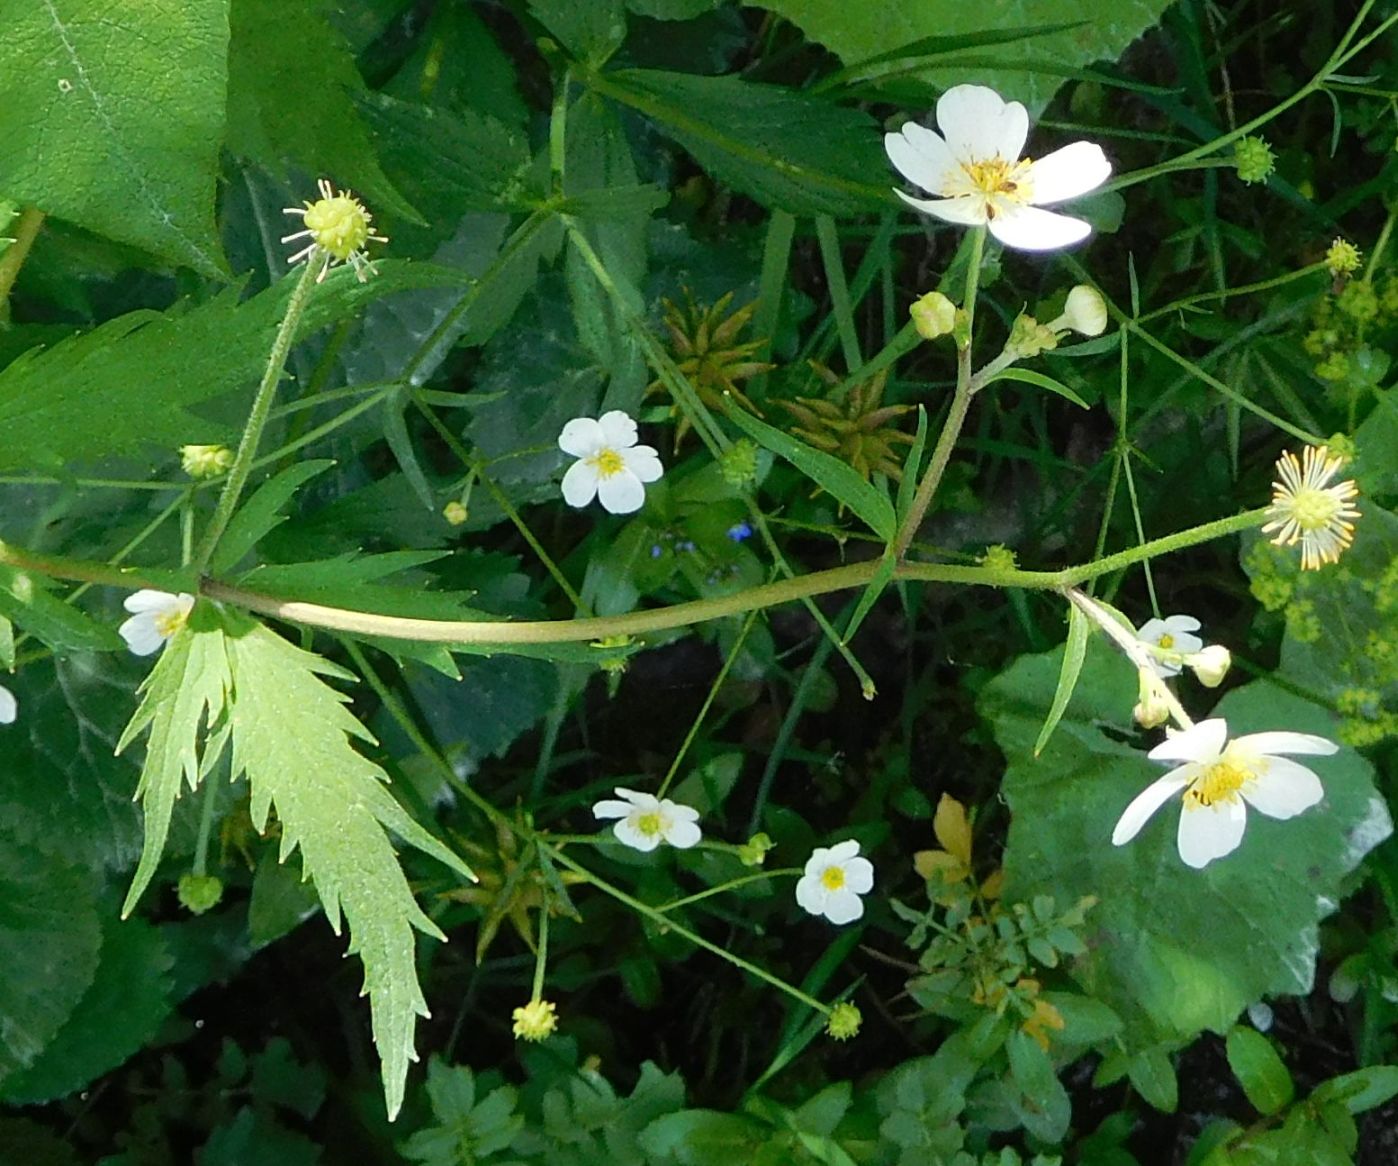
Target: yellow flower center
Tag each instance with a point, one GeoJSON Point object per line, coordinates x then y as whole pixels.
{"type": "Point", "coordinates": [339, 225]}
{"type": "Point", "coordinates": [167, 623]}
{"type": "Point", "coordinates": [1167, 641]}
{"type": "Point", "coordinates": [1220, 782]}
{"type": "Point", "coordinates": [997, 180]}
{"type": "Point", "coordinates": [1313, 509]}
{"type": "Point", "coordinates": [832, 878]}
{"type": "Point", "coordinates": [649, 824]}
{"type": "Point", "coordinates": [607, 462]}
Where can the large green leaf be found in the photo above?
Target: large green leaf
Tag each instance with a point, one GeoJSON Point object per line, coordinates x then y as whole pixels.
{"type": "Point", "coordinates": [49, 941]}
{"type": "Point", "coordinates": [1174, 950]}
{"type": "Point", "coordinates": [292, 84]}
{"type": "Point", "coordinates": [128, 384]}
{"type": "Point", "coordinates": [115, 124]}
{"type": "Point", "coordinates": [125, 1005]}
{"type": "Point", "coordinates": [784, 148]}
{"type": "Point", "coordinates": [1029, 70]}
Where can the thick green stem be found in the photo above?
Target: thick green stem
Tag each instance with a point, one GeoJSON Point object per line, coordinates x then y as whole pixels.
{"type": "Point", "coordinates": [257, 417]}
{"type": "Point", "coordinates": [956, 417]}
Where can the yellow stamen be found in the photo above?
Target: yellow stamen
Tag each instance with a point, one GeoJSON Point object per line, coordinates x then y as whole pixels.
{"type": "Point", "coordinates": [167, 623]}
{"type": "Point", "coordinates": [832, 878]}
{"type": "Point", "coordinates": [1167, 641]}
{"type": "Point", "coordinates": [649, 824]}
{"type": "Point", "coordinates": [1220, 782]}
{"type": "Point", "coordinates": [607, 462]}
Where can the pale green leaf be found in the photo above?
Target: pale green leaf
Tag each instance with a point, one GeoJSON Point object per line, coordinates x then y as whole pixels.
{"type": "Point", "coordinates": [119, 1013]}
{"type": "Point", "coordinates": [1029, 70]}
{"type": "Point", "coordinates": [1174, 950]}
{"type": "Point", "coordinates": [333, 804]}
{"type": "Point", "coordinates": [128, 384]}
{"type": "Point", "coordinates": [1073, 652]}
{"type": "Point", "coordinates": [49, 942]}
{"type": "Point", "coordinates": [788, 150]}
{"type": "Point", "coordinates": [1259, 1070]}
{"type": "Point", "coordinates": [103, 131]}
{"type": "Point", "coordinates": [24, 598]}
{"type": "Point", "coordinates": [292, 85]}
{"type": "Point", "coordinates": [1039, 380]}
{"type": "Point", "coordinates": [841, 481]}
{"type": "Point", "coordinates": [181, 700]}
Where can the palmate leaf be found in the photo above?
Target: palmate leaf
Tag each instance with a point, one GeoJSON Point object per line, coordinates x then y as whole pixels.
{"type": "Point", "coordinates": [291, 736]}
{"type": "Point", "coordinates": [116, 140]}
{"type": "Point", "coordinates": [227, 678]}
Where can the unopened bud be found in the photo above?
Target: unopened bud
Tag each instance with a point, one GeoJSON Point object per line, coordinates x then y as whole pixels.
{"type": "Point", "coordinates": [1085, 312]}
{"type": "Point", "coordinates": [1210, 665]}
{"type": "Point", "coordinates": [1254, 159]}
{"type": "Point", "coordinates": [455, 512]}
{"type": "Point", "coordinates": [933, 315]}
{"type": "Point", "coordinates": [1153, 710]}
{"type": "Point", "coordinates": [205, 461]}
{"type": "Point", "coordinates": [1029, 338]}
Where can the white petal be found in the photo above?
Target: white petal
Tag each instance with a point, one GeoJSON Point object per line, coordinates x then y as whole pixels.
{"type": "Point", "coordinates": [609, 808]}
{"type": "Point", "coordinates": [964, 212]}
{"type": "Point", "coordinates": [1030, 229]}
{"type": "Point", "coordinates": [646, 803]}
{"type": "Point", "coordinates": [1286, 789]}
{"type": "Point", "coordinates": [1282, 742]}
{"type": "Point", "coordinates": [628, 832]}
{"type": "Point", "coordinates": [1210, 832]}
{"type": "Point", "coordinates": [810, 894]}
{"type": "Point", "coordinates": [9, 707]}
{"type": "Point", "coordinates": [979, 124]}
{"type": "Point", "coordinates": [140, 634]}
{"type": "Point", "coordinates": [1067, 173]}
{"type": "Point", "coordinates": [644, 462]}
{"type": "Point", "coordinates": [1175, 624]}
{"type": "Point", "coordinates": [922, 157]}
{"type": "Point", "coordinates": [621, 493]}
{"type": "Point", "coordinates": [843, 906]}
{"type": "Point", "coordinates": [618, 430]}
{"type": "Point", "coordinates": [859, 875]}
{"type": "Point", "coordinates": [581, 437]}
{"type": "Point", "coordinates": [842, 851]}
{"type": "Point", "coordinates": [148, 600]}
{"type": "Point", "coordinates": [1151, 631]}
{"type": "Point", "coordinates": [683, 835]}
{"type": "Point", "coordinates": [819, 860]}
{"type": "Point", "coordinates": [1185, 643]}
{"type": "Point", "coordinates": [1202, 742]}
{"type": "Point", "coordinates": [681, 813]}
{"type": "Point", "coordinates": [1145, 804]}
{"type": "Point", "coordinates": [579, 484]}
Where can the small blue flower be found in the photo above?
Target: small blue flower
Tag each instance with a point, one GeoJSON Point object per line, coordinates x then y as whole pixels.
{"type": "Point", "coordinates": [740, 532]}
{"type": "Point", "coordinates": [656, 551]}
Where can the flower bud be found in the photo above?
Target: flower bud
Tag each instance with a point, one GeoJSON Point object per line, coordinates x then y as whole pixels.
{"type": "Point", "coordinates": [455, 512]}
{"type": "Point", "coordinates": [1342, 258]}
{"type": "Point", "coordinates": [1210, 665]}
{"type": "Point", "coordinates": [1153, 709]}
{"type": "Point", "coordinates": [205, 461]}
{"type": "Point", "coordinates": [1085, 312]}
{"type": "Point", "coordinates": [844, 1021]}
{"type": "Point", "coordinates": [1254, 159]}
{"type": "Point", "coordinates": [200, 893]}
{"type": "Point", "coordinates": [1029, 338]}
{"type": "Point", "coordinates": [536, 1020]}
{"type": "Point", "coordinates": [753, 852]}
{"type": "Point", "coordinates": [738, 463]}
{"type": "Point", "coordinates": [933, 315]}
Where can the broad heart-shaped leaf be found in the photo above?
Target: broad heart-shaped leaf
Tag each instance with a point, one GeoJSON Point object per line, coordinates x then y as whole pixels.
{"type": "Point", "coordinates": [292, 83]}
{"type": "Point", "coordinates": [786, 149]}
{"type": "Point", "coordinates": [49, 940]}
{"type": "Point", "coordinates": [1173, 950]}
{"type": "Point", "coordinates": [128, 1000]}
{"type": "Point", "coordinates": [128, 383]}
{"type": "Point", "coordinates": [115, 124]}
{"type": "Point", "coordinates": [291, 736]}
{"type": "Point", "coordinates": [1032, 68]}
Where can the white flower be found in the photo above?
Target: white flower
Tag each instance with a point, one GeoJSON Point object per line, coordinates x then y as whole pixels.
{"type": "Point", "coordinates": [975, 169]}
{"type": "Point", "coordinates": [156, 616]}
{"type": "Point", "coordinates": [610, 465]}
{"type": "Point", "coordinates": [1172, 636]}
{"type": "Point", "coordinates": [1220, 779]}
{"type": "Point", "coordinates": [1307, 509]}
{"type": "Point", "coordinates": [646, 821]}
{"type": "Point", "coordinates": [834, 879]}
{"type": "Point", "coordinates": [9, 707]}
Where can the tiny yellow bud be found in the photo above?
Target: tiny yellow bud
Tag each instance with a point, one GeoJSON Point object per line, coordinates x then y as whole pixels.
{"type": "Point", "coordinates": [753, 852]}
{"type": "Point", "coordinates": [844, 1021]}
{"type": "Point", "coordinates": [933, 315]}
{"type": "Point", "coordinates": [455, 512]}
{"type": "Point", "coordinates": [536, 1020]}
{"type": "Point", "coordinates": [205, 461]}
{"type": "Point", "coordinates": [1210, 665]}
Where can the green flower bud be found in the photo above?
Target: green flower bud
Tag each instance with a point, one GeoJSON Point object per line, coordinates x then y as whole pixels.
{"type": "Point", "coordinates": [1254, 159]}
{"type": "Point", "coordinates": [738, 464]}
{"type": "Point", "coordinates": [200, 893]}
{"type": "Point", "coordinates": [753, 852]}
{"type": "Point", "coordinates": [844, 1021]}
{"type": "Point", "coordinates": [1342, 258]}
{"type": "Point", "coordinates": [933, 315]}
{"type": "Point", "coordinates": [205, 461]}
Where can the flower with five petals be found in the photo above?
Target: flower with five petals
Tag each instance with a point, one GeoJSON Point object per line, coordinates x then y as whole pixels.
{"type": "Point", "coordinates": [155, 617]}
{"type": "Point", "coordinates": [645, 821]}
{"type": "Point", "coordinates": [611, 466]}
{"type": "Point", "coordinates": [834, 878]}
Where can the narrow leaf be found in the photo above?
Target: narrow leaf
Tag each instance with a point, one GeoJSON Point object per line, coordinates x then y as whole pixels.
{"type": "Point", "coordinates": [831, 474]}
{"type": "Point", "coordinates": [882, 578]}
{"type": "Point", "coordinates": [1073, 655]}
{"type": "Point", "coordinates": [262, 513]}
{"type": "Point", "coordinates": [1038, 379]}
{"type": "Point", "coordinates": [42, 614]}
{"type": "Point", "coordinates": [912, 466]}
